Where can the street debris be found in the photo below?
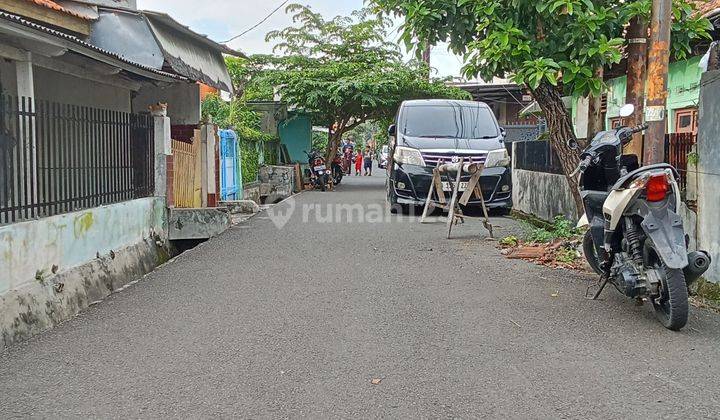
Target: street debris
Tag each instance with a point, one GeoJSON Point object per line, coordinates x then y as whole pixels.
{"type": "Point", "coordinates": [556, 294]}
{"type": "Point", "coordinates": [376, 381]}
{"type": "Point", "coordinates": [515, 323]}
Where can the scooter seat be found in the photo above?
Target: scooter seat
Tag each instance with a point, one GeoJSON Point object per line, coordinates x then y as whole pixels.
{"type": "Point", "coordinates": [595, 199]}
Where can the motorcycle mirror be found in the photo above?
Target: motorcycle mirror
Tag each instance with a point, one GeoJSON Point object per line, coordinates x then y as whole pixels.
{"type": "Point", "coordinates": [392, 130]}
{"type": "Point", "coordinates": [627, 110]}
{"type": "Point", "coordinates": [572, 144]}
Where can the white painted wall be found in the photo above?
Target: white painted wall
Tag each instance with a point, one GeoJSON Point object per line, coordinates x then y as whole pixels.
{"type": "Point", "coordinates": [183, 101]}
{"type": "Point", "coordinates": [73, 239]}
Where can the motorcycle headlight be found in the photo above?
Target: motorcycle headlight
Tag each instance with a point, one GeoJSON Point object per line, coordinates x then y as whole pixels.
{"type": "Point", "coordinates": [408, 156]}
{"type": "Point", "coordinates": [497, 158]}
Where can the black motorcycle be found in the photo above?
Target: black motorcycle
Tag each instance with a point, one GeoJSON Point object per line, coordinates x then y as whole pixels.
{"type": "Point", "coordinates": [636, 239]}
{"type": "Point", "coordinates": [318, 171]}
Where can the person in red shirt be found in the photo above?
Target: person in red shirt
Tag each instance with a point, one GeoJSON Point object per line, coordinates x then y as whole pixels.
{"type": "Point", "coordinates": [358, 163]}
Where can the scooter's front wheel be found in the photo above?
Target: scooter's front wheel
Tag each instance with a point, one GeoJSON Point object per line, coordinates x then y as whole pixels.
{"type": "Point", "coordinates": [591, 254]}
{"type": "Point", "coordinates": [672, 306]}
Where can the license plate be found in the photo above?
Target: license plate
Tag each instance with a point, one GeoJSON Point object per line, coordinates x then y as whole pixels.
{"type": "Point", "coordinates": [320, 168]}
{"type": "Point", "coordinates": [448, 188]}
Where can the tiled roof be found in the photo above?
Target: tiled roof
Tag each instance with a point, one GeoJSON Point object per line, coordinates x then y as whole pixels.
{"type": "Point", "coordinates": [54, 6]}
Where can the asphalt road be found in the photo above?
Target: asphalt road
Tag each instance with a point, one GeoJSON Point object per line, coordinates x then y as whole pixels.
{"type": "Point", "coordinates": [299, 321]}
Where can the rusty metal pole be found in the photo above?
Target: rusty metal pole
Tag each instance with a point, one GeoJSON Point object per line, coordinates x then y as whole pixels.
{"type": "Point", "coordinates": [658, 64]}
{"type": "Point", "coordinates": [636, 74]}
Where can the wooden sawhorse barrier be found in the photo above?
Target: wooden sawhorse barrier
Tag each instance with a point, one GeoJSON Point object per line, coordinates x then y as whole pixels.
{"type": "Point", "coordinates": [455, 214]}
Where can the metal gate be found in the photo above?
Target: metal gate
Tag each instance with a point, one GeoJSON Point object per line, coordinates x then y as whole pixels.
{"type": "Point", "coordinates": [230, 176]}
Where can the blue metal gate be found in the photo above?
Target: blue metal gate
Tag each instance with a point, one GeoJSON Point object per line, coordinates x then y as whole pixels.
{"type": "Point", "coordinates": [230, 176]}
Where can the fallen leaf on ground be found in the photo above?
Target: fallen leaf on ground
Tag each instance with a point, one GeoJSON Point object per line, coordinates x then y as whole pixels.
{"type": "Point", "coordinates": [376, 381]}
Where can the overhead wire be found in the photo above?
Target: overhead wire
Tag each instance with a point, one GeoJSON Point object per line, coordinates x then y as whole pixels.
{"type": "Point", "coordinates": [259, 23]}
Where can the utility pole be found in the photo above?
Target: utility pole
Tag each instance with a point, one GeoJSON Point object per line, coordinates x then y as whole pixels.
{"type": "Point", "coordinates": [657, 81]}
{"type": "Point", "coordinates": [636, 73]}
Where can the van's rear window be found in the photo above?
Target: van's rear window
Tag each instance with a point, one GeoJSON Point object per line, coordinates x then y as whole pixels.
{"type": "Point", "coordinates": [449, 121]}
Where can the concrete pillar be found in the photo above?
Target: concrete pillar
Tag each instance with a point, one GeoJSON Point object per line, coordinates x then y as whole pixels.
{"type": "Point", "coordinates": [210, 174]}
{"type": "Point", "coordinates": [26, 89]}
{"type": "Point", "coordinates": [163, 160]}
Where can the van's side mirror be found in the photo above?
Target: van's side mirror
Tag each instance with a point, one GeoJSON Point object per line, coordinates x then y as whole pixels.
{"type": "Point", "coordinates": [392, 130]}
{"type": "Point", "coordinates": [503, 133]}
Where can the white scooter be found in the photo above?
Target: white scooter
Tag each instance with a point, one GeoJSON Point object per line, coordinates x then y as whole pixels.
{"type": "Point", "coordinates": [636, 240]}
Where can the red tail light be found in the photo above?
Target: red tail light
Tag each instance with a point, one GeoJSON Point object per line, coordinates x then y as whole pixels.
{"type": "Point", "coordinates": [657, 188]}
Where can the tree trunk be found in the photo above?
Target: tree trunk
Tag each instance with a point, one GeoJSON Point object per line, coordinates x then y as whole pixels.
{"type": "Point", "coordinates": [333, 145]}
{"type": "Point", "coordinates": [561, 130]}
{"type": "Point", "coordinates": [596, 122]}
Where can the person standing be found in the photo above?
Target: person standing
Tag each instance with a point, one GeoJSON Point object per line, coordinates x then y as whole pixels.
{"type": "Point", "coordinates": [358, 163]}
{"type": "Point", "coordinates": [368, 157]}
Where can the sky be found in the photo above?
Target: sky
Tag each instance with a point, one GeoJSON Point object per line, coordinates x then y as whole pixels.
{"type": "Point", "coordinates": [223, 19]}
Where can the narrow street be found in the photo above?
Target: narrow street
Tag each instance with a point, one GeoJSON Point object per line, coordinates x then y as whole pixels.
{"type": "Point", "coordinates": [299, 321]}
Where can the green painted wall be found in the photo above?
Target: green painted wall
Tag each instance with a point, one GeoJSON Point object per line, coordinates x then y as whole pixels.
{"type": "Point", "coordinates": [617, 89]}
{"type": "Point", "coordinates": [296, 135]}
{"type": "Point", "coordinates": [683, 90]}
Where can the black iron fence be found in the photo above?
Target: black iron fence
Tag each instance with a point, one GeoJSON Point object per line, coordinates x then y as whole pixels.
{"type": "Point", "coordinates": [537, 156]}
{"type": "Point", "coordinates": [58, 158]}
{"type": "Point", "coordinates": [678, 147]}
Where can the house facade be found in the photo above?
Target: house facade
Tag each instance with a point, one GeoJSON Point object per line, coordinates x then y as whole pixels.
{"type": "Point", "coordinates": [87, 163]}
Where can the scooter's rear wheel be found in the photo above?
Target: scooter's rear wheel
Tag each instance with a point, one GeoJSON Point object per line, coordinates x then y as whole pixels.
{"type": "Point", "coordinates": [672, 307]}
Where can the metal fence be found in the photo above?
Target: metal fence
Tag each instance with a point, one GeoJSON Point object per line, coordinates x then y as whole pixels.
{"type": "Point", "coordinates": [537, 156]}
{"type": "Point", "coordinates": [525, 132]}
{"type": "Point", "coordinates": [58, 158]}
{"type": "Point", "coordinates": [678, 147]}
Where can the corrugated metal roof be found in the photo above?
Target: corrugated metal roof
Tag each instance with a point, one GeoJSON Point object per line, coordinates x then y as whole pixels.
{"type": "Point", "coordinates": [169, 21]}
{"type": "Point", "coordinates": [54, 6]}
{"type": "Point", "coordinates": [192, 59]}
{"type": "Point", "coordinates": [80, 43]}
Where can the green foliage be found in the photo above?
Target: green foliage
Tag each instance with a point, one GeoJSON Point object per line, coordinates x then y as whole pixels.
{"type": "Point", "coordinates": [538, 41]}
{"type": "Point", "coordinates": [343, 72]}
{"type": "Point", "coordinates": [693, 158]}
{"type": "Point", "coordinates": [510, 241]}
{"type": "Point", "coordinates": [238, 116]}
{"type": "Point", "coordinates": [567, 255]}
{"type": "Point", "coordinates": [249, 158]}
{"type": "Point", "coordinates": [561, 228]}
{"type": "Point", "coordinates": [319, 140]}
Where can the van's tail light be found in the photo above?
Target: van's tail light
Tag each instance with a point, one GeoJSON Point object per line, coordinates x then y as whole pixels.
{"type": "Point", "coordinates": [657, 188]}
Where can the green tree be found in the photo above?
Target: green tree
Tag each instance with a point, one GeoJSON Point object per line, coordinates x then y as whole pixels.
{"type": "Point", "coordinates": [344, 72]}
{"type": "Point", "coordinates": [554, 47]}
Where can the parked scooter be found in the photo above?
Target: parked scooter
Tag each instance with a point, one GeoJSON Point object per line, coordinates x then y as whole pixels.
{"type": "Point", "coordinates": [318, 172]}
{"type": "Point", "coordinates": [636, 239]}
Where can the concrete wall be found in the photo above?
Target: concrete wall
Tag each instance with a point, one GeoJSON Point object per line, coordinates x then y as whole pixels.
{"type": "Point", "coordinates": [183, 101]}
{"type": "Point", "coordinates": [543, 195]}
{"type": "Point", "coordinates": [72, 239]}
{"type": "Point", "coordinates": [708, 149]}
{"type": "Point", "coordinates": [58, 87]}
{"type": "Point", "coordinates": [52, 268]}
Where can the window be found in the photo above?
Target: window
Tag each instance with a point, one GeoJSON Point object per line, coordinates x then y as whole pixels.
{"type": "Point", "coordinates": [686, 120]}
{"type": "Point", "coordinates": [449, 121]}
